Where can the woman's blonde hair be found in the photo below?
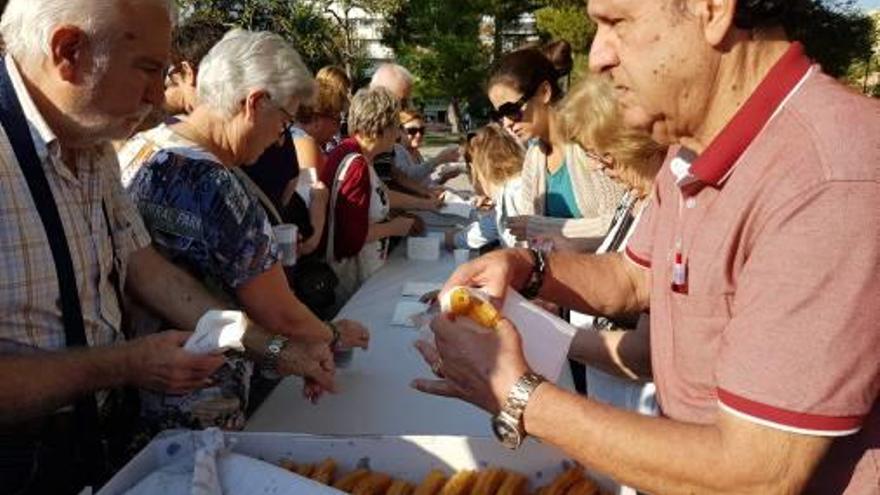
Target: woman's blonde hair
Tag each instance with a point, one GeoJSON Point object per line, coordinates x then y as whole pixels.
{"type": "Point", "coordinates": [590, 116]}
{"type": "Point", "coordinates": [332, 97]}
{"type": "Point", "coordinates": [496, 156]}
{"type": "Point", "coordinates": [410, 114]}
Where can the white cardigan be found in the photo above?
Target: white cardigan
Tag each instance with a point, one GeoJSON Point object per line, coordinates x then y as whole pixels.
{"type": "Point", "coordinates": [596, 195]}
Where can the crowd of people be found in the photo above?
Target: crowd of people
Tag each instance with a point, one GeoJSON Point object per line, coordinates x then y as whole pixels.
{"type": "Point", "coordinates": [703, 208]}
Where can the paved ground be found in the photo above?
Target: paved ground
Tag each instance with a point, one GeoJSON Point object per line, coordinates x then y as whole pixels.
{"type": "Point", "coordinates": [436, 142]}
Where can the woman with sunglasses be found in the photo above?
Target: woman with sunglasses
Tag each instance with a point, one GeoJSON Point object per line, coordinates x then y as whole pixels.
{"type": "Point", "coordinates": [564, 192]}
{"type": "Point", "coordinates": [412, 163]}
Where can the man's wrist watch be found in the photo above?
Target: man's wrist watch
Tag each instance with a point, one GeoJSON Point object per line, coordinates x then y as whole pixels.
{"type": "Point", "coordinates": [536, 278]}
{"type": "Point", "coordinates": [508, 424]}
{"type": "Point", "coordinates": [274, 349]}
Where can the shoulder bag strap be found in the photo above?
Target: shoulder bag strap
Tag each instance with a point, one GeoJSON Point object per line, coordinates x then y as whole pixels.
{"type": "Point", "coordinates": [257, 191]}
{"type": "Point", "coordinates": [329, 255]}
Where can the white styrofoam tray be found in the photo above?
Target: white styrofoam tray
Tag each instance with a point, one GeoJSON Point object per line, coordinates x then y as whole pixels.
{"type": "Point", "coordinates": [406, 457]}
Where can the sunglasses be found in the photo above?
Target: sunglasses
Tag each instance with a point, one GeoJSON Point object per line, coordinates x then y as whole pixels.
{"type": "Point", "coordinates": [412, 131]}
{"type": "Point", "coordinates": [512, 110]}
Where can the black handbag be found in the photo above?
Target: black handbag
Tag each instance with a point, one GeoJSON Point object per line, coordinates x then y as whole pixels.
{"type": "Point", "coordinates": [314, 283]}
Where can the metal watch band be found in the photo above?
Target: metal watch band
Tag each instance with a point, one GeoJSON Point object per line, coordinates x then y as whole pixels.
{"type": "Point", "coordinates": [519, 396]}
{"type": "Point", "coordinates": [536, 278]}
{"type": "Point", "coordinates": [273, 351]}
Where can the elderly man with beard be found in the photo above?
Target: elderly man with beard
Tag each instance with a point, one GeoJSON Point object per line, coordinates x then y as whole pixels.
{"type": "Point", "coordinates": [79, 73]}
{"type": "Point", "coordinates": [757, 259]}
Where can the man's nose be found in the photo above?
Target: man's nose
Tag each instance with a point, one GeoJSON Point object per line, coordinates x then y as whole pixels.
{"type": "Point", "coordinates": [603, 53]}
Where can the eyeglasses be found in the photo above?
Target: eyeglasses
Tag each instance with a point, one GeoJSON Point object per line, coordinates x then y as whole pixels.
{"type": "Point", "coordinates": [412, 131]}
{"type": "Point", "coordinates": [289, 118]}
{"type": "Point", "coordinates": [512, 110]}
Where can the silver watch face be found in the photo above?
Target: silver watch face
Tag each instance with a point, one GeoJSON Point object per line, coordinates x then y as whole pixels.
{"type": "Point", "coordinates": [506, 431]}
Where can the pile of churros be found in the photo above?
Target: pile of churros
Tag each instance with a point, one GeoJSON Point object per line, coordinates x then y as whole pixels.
{"type": "Point", "coordinates": [491, 481]}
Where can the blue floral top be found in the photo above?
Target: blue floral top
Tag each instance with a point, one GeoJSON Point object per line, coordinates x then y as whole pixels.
{"type": "Point", "coordinates": [202, 218]}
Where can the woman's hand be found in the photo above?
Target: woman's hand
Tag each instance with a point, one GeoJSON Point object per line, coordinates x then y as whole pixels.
{"type": "Point", "coordinates": [483, 203]}
{"type": "Point", "coordinates": [313, 361]}
{"type": "Point", "coordinates": [402, 225]}
{"type": "Point", "coordinates": [519, 227]}
{"type": "Point", "coordinates": [448, 154]}
{"type": "Point", "coordinates": [352, 334]}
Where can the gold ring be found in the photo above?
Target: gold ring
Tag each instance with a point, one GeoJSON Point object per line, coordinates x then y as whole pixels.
{"type": "Point", "coordinates": [436, 367]}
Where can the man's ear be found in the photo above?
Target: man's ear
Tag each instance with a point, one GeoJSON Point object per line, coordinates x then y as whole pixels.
{"type": "Point", "coordinates": [716, 18]}
{"type": "Point", "coordinates": [68, 48]}
{"type": "Point", "coordinates": [188, 73]}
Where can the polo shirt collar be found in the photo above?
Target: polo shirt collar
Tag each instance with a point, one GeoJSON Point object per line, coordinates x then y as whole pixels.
{"type": "Point", "coordinates": [714, 165]}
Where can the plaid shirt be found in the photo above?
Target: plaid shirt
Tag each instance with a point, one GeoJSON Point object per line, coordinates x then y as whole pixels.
{"type": "Point", "coordinates": [30, 307]}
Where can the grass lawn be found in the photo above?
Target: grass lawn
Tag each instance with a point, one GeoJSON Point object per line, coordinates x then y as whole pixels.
{"type": "Point", "coordinates": [441, 139]}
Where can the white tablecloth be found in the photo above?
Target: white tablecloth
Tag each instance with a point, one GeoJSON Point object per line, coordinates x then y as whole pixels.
{"type": "Point", "coordinates": [374, 395]}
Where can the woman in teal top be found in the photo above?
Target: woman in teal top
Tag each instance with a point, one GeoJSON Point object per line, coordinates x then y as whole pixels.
{"type": "Point", "coordinates": [565, 195]}
{"type": "Point", "coordinates": [561, 202]}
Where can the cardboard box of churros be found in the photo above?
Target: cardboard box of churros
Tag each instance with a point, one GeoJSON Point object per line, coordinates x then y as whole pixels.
{"type": "Point", "coordinates": [405, 465]}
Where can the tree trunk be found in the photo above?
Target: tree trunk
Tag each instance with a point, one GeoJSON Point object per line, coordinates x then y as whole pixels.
{"type": "Point", "coordinates": [454, 115]}
{"type": "Point", "coordinates": [498, 39]}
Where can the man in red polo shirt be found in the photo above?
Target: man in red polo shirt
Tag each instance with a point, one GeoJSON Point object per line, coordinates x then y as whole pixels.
{"type": "Point", "coordinates": [758, 259]}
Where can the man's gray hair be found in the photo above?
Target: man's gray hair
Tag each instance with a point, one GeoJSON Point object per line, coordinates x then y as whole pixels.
{"type": "Point", "coordinates": [373, 111]}
{"type": "Point", "coordinates": [27, 25]}
{"type": "Point", "coordinates": [245, 61]}
{"type": "Point", "coordinates": [388, 71]}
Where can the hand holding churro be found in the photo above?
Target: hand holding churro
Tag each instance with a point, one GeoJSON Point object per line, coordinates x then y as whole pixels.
{"type": "Point", "coordinates": [463, 301]}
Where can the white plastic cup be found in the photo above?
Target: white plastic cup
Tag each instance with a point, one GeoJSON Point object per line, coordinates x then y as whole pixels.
{"type": "Point", "coordinates": [462, 256]}
{"type": "Point", "coordinates": [286, 237]}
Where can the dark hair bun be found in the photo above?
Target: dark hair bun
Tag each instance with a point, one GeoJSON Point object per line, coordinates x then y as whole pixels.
{"type": "Point", "coordinates": [559, 54]}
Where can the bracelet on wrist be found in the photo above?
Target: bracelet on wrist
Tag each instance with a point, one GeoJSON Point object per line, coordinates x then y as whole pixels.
{"type": "Point", "coordinates": [337, 335]}
{"type": "Point", "coordinates": [536, 278]}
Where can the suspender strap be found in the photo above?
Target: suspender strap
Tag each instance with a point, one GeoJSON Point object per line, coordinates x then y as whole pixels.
{"type": "Point", "coordinates": [17, 130]}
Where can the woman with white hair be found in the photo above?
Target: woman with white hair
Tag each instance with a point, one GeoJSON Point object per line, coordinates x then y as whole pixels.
{"type": "Point", "coordinates": [202, 217]}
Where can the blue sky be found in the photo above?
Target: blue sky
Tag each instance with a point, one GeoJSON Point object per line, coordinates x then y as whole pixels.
{"type": "Point", "coordinates": [869, 4]}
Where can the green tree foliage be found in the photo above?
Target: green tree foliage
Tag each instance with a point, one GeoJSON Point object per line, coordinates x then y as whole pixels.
{"type": "Point", "coordinates": [313, 34]}
{"type": "Point", "coordinates": [835, 33]}
{"type": "Point", "coordinates": [442, 49]}
{"type": "Point", "coordinates": [864, 72]}
{"type": "Point", "coordinates": [347, 45]}
{"type": "Point", "coordinates": [505, 15]}
{"type": "Point", "coordinates": [569, 23]}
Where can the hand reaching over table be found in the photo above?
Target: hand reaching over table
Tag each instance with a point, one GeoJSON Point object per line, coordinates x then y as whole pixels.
{"type": "Point", "coordinates": [493, 273]}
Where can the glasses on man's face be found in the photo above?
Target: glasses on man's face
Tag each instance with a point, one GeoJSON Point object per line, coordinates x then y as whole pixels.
{"type": "Point", "coordinates": [413, 131]}
{"type": "Point", "coordinates": [512, 110]}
